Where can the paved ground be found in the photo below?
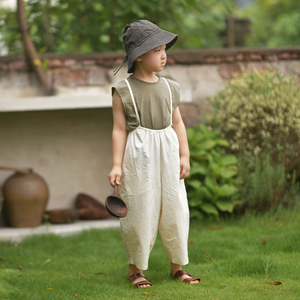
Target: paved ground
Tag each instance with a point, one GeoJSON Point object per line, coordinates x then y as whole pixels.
{"type": "Point", "coordinates": [16, 234]}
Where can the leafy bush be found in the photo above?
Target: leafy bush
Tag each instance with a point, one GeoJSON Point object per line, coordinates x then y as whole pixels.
{"type": "Point", "coordinates": [259, 112]}
{"type": "Point", "coordinates": [273, 23]}
{"type": "Point", "coordinates": [211, 184]}
{"type": "Point", "coordinates": [65, 26]}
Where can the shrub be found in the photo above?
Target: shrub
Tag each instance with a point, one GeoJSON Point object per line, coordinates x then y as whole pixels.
{"type": "Point", "coordinates": [259, 112]}
{"type": "Point", "coordinates": [211, 184]}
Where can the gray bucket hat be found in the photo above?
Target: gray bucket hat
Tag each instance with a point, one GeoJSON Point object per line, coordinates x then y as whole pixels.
{"type": "Point", "coordinates": [142, 36]}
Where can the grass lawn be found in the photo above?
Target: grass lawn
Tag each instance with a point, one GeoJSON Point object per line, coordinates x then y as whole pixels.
{"type": "Point", "coordinates": [228, 255]}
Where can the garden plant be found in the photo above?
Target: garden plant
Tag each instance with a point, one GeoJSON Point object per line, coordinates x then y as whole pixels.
{"type": "Point", "coordinates": [211, 185]}
{"type": "Point", "coordinates": [258, 113]}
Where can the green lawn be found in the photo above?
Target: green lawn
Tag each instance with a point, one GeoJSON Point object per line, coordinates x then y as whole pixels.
{"type": "Point", "coordinates": [228, 255]}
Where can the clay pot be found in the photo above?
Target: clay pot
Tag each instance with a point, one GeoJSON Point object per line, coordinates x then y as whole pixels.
{"type": "Point", "coordinates": [26, 195]}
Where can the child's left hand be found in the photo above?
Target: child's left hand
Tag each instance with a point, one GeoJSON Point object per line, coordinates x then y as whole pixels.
{"type": "Point", "coordinates": [184, 167]}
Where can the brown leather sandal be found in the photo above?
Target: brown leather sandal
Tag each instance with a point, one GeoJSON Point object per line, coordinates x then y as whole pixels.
{"type": "Point", "coordinates": [132, 277]}
{"type": "Point", "coordinates": [179, 273]}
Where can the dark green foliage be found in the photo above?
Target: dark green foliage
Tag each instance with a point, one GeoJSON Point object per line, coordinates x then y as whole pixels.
{"type": "Point", "coordinates": [93, 26]}
{"type": "Point", "coordinates": [274, 23]}
{"type": "Point", "coordinates": [211, 184]}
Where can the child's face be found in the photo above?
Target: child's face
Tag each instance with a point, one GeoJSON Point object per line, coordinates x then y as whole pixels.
{"type": "Point", "coordinates": [154, 60]}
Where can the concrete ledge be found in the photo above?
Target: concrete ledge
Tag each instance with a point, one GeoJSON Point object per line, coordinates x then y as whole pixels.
{"type": "Point", "coordinates": [59, 102]}
{"type": "Point", "coordinates": [17, 234]}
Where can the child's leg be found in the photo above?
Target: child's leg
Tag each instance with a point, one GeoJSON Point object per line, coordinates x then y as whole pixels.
{"type": "Point", "coordinates": [174, 224]}
{"type": "Point", "coordinates": [174, 219]}
{"type": "Point", "coordinates": [139, 228]}
{"type": "Point", "coordinates": [174, 268]}
{"type": "Point", "coordinates": [139, 279]}
{"type": "Point", "coordinates": [141, 191]}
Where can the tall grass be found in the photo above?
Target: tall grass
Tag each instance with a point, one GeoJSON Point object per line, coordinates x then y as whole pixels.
{"type": "Point", "coordinates": [227, 254]}
{"type": "Point", "coordinates": [265, 186]}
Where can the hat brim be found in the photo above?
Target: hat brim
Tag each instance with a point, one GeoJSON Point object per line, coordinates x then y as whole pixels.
{"type": "Point", "coordinates": [162, 37]}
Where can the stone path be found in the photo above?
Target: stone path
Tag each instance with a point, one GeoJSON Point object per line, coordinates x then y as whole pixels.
{"type": "Point", "coordinates": [17, 234]}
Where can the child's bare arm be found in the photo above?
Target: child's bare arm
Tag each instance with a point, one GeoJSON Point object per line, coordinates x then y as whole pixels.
{"type": "Point", "coordinates": [119, 136]}
{"type": "Point", "coordinates": [179, 128]}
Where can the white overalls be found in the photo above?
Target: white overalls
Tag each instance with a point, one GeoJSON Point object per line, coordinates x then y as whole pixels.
{"type": "Point", "coordinates": [155, 195]}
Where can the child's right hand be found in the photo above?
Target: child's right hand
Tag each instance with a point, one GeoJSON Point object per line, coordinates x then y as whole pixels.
{"type": "Point", "coordinates": [115, 176]}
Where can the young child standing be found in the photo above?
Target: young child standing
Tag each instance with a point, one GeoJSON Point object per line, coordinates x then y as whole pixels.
{"type": "Point", "coordinates": [150, 154]}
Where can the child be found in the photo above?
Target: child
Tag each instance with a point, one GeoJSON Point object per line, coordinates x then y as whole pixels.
{"type": "Point", "coordinates": [148, 136]}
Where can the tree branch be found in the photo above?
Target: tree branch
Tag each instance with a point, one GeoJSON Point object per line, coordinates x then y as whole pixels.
{"type": "Point", "coordinates": [30, 49]}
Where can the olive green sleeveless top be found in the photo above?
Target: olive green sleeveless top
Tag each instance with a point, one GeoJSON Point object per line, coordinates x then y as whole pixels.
{"type": "Point", "coordinates": [152, 101]}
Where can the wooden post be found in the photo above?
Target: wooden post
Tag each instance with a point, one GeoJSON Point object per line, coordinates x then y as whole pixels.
{"type": "Point", "coordinates": [230, 31]}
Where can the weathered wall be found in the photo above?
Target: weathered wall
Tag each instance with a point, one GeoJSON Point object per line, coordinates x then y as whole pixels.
{"type": "Point", "coordinates": [72, 148]}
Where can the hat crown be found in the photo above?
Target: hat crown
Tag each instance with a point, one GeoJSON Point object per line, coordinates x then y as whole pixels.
{"type": "Point", "coordinates": [140, 37]}
{"type": "Point", "coordinates": [136, 33]}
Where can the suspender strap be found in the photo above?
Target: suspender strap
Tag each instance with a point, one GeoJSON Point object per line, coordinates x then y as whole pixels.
{"type": "Point", "coordinates": [133, 101]}
{"type": "Point", "coordinates": [171, 108]}
{"type": "Point", "coordinates": [134, 104]}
